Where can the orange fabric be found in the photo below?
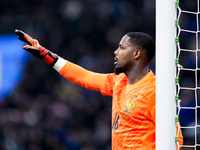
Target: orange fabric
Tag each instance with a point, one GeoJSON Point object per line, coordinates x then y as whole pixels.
{"type": "Point", "coordinates": [180, 136]}
{"type": "Point", "coordinates": [133, 113]}
{"type": "Point", "coordinates": [82, 77]}
{"type": "Point", "coordinates": [133, 107]}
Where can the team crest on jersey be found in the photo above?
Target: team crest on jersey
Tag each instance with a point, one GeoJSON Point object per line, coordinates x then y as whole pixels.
{"type": "Point", "coordinates": [130, 104]}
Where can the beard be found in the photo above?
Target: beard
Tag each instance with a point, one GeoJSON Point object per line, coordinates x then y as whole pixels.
{"type": "Point", "coordinates": [118, 70]}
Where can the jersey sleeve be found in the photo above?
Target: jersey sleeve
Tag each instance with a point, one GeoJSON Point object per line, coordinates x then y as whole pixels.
{"type": "Point", "coordinates": [88, 79]}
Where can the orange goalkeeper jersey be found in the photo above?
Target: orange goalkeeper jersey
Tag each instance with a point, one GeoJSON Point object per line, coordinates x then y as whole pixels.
{"type": "Point", "coordinates": [133, 112]}
{"type": "Point", "coordinates": [133, 106]}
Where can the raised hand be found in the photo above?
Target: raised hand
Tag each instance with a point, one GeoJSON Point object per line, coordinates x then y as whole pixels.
{"type": "Point", "coordinates": [36, 49]}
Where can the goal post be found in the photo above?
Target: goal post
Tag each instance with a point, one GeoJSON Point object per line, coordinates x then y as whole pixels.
{"type": "Point", "coordinates": [165, 74]}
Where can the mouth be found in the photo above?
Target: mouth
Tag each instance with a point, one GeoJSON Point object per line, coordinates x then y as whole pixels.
{"type": "Point", "coordinates": [115, 62]}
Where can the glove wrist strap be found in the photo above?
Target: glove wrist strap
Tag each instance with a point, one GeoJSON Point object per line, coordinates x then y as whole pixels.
{"type": "Point", "coordinates": [50, 58]}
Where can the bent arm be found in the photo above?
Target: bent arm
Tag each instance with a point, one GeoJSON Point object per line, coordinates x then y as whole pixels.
{"type": "Point", "coordinates": [80, 76]}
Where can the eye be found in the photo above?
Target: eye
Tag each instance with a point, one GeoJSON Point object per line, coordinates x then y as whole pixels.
{"type": "Point", "coordinates": [120, 46]}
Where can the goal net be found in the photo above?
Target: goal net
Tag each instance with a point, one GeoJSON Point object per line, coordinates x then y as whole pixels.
{"type": "Point", "coordinates": [188, 72]}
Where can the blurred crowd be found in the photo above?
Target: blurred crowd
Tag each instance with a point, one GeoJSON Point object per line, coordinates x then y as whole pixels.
{"type": "Point", "coordinates": [48, 112]}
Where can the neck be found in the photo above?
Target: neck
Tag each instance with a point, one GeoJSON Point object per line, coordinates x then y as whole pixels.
{"type": "Point", "coordinates": [136, 74]}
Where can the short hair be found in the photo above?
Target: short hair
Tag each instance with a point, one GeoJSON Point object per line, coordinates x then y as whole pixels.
{"type": "Point", "coordinates": [143, 40]}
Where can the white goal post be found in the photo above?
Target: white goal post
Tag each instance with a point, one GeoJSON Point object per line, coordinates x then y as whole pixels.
{"type": "Point", "coordinates": [165, 74]}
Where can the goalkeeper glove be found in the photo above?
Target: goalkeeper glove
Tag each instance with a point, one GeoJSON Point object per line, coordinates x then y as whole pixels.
{"type": "Point", "coordinates": [36, 49]}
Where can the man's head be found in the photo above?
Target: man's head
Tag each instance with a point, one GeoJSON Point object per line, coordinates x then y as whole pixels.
{"type": "Point", "coordinates": [134, 48]}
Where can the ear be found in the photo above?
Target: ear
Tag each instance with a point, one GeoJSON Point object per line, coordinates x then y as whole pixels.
{"type": "Point", "coordinates": [137, 53]}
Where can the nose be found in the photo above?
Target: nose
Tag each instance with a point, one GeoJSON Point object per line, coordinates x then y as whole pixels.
{"type": "Point", "coordinates": [116, 51]}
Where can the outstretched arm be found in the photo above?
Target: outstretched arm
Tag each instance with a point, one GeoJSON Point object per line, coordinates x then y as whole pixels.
{"type": "Point", "coordinates": [79, 75]}
{"type": "Point", "coordinates": [72, 72]}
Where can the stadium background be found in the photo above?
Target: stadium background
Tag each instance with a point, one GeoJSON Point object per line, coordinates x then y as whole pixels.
{"type": "Point", "coordinates": [45, 111]}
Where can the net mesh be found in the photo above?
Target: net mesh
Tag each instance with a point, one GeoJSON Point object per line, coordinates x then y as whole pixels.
{"type": "Point", "coordinates": [188, 73]}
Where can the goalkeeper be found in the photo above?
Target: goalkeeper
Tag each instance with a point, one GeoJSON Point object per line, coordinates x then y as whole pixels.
{"type": "Point", "coordinates": [132, 86]}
